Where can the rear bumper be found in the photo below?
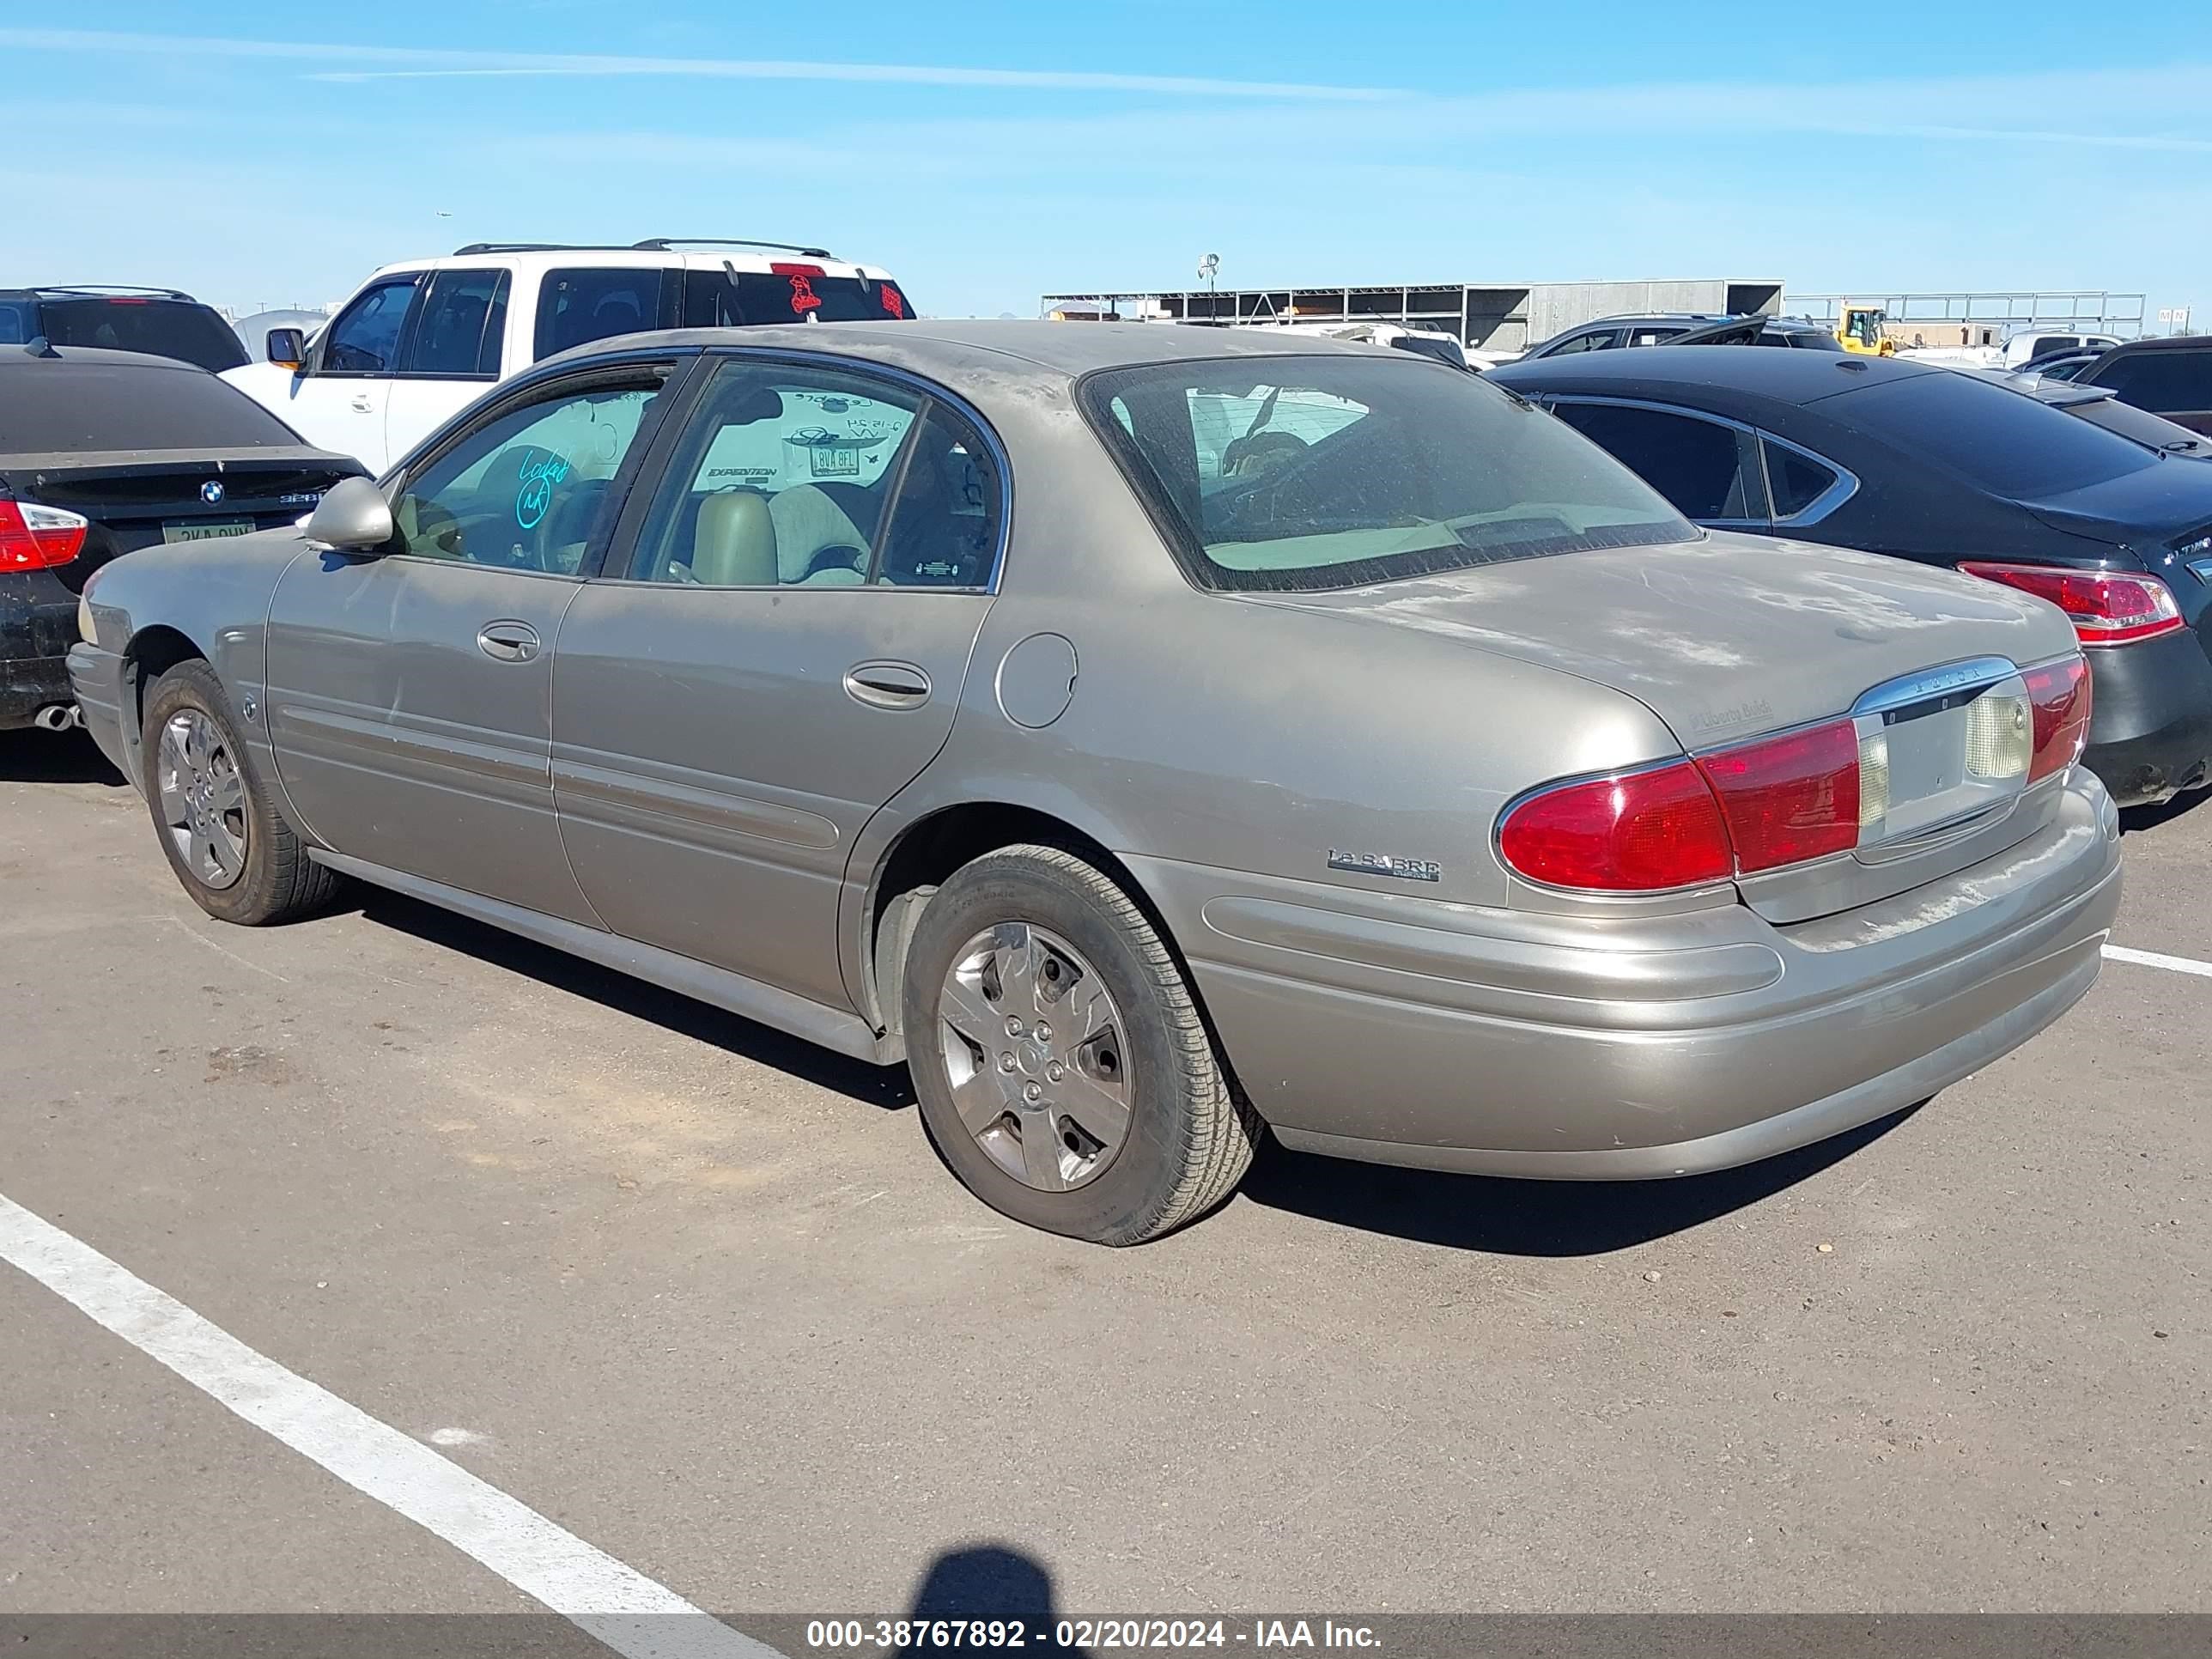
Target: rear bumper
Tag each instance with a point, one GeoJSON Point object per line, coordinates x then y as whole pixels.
{"type": "Point", "coordinates": [37, 625]}
{"type": "Point", "coordinates": [2150, 725]}
{"type": "Point", "coordinates": [1503, 1043]}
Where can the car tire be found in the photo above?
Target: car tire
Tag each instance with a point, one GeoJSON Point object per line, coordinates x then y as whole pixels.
{"type": "Point", "coordinates": [1055, 938]}
{"type": "Point", "coordinates": [214, 814]}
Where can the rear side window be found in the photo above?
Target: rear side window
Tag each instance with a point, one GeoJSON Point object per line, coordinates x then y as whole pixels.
{"type": "Point", "coordinates": [1795, 481]}
{"type": "Point", "coordinates": [2004, 441]}
{"type": "Point", "coordinates": [57, 406]}
{"type": "Point", "coordinates": [463, 322]}
{"type": "Point", "coordinates": [1644, 337]}
{"type": "Point", "coordinates": [2161, 381]}
{"type": "Point", "coordinates": [188, 332]}
{"type": "Point", "coordinates": [1706, 470]}
{"type": "Point", "coordinates": [787, 293]}
{"type": "Point", "coordinates": [1273, 473]}
{"type": "Point", "coordinates": [577, 307]}
{"type": "Point", "coordinates": [810, 477]}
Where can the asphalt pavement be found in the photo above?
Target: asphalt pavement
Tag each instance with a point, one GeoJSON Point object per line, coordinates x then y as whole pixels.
{"type": "Point", "coordinates": [701, 1297]}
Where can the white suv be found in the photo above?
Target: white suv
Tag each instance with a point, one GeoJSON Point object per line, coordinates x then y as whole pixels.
{"type": "Point", "coordinates": [420, 341]}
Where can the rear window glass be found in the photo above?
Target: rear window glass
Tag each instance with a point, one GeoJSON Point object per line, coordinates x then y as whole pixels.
{"type": "Point", "coordinates": [786, 294]}
{"type": "Point", "coordinates": [57, 406]}
{"type": "Point", "coordinates": [1273, 473]}
{"type": "Point", "coordinates": [2004, 441]}
{"type": "Point", "coordinates": [2161, 381]}
{"type": "Point", "coordinates": [160, 328]}
{"type": "Point", "coordinates": [2140, 424]}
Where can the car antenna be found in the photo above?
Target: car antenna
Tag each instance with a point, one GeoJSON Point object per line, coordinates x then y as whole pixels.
{"type": "Point", "coordinates": [39, 346]}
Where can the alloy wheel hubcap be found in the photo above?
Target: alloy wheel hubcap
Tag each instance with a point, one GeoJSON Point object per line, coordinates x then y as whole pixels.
{"type": "Point", "coordinates": [203, 797]}
{"type": "Point", "coordinates": [1033, 1047]}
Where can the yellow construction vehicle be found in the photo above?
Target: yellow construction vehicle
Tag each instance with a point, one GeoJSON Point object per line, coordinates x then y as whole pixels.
{"type": "Point", "coordinates": [1859, 328]}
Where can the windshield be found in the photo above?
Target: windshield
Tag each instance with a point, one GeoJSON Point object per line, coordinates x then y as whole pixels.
{"type": "Point", "coordinates": [190, 333]}
{"type": "Point", "coordinates": [1273, 473]}
{"type": "Point", "coordinates": [2006, 441]}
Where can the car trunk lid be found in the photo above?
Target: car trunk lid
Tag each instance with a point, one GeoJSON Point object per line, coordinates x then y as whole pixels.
{"type": "Point", "coordinates": [135, 498]}
{"type": "Point", "coordinates": [1731, 638]}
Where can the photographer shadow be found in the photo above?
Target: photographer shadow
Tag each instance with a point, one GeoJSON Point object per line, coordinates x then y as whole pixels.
{"type": "Point", "coordinates": [987, 1581]}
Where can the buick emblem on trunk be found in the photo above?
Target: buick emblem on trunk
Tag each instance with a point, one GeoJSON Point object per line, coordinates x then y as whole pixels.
{"type": "Point", "coordinates": [211, 491]}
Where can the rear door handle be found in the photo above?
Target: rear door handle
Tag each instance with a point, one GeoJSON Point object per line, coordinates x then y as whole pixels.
{"type": "Point", "coordinates": [361, 403]}
{"type": "Point", "coordinates": [507, 641]}
{"type": "Point", "coordinates": [887, 685]}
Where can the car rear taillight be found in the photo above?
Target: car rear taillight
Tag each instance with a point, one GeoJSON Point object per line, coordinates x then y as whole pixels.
{"type": "Point", "coordinates": [35, 538]}
{"type": "Point", "coordinates": [2059, 693]}
{"type": "Point", "coordinates": [2105, 608]}
{"type": "Point", "coordinates": [1789, 798]}
{"type": "Point", "coordinates": [1641, 832]}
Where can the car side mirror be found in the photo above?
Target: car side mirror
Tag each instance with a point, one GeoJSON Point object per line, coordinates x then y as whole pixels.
{"type": "Point", "coordinates": [353, 517]}
{"type": "Point", "coordinates": [287, 347]}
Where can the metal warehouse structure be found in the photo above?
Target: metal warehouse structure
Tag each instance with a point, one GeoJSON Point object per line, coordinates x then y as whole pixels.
{"type": "Point", "coordinates": [1496, 316]}
{"type": "Point", "coordinates": [1984, 318]}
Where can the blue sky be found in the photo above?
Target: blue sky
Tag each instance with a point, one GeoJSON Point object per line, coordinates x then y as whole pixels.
{"type": "Point", "coordinates": [992, 152]}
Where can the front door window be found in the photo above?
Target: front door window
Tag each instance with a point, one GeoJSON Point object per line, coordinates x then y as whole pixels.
{"type": "Point", "coordinates": [525, 490]}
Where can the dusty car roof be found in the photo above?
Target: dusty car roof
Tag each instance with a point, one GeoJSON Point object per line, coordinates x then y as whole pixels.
{"type": "Point", "coordinates": [1069, 348]}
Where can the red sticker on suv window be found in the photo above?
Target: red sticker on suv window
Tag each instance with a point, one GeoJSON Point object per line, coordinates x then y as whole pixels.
{"type": "Point", "coordinates": [803, 298]}
{"type": "Point", "coordinates": [894, 301]}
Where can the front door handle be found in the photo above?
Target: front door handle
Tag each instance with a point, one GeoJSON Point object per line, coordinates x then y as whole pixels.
{"type": "Point", "coordinates": [507, 641]}
{"type": "Point", "coordinates": [887, 685]}
{"type": "Point", "coordinates": [361, 403]}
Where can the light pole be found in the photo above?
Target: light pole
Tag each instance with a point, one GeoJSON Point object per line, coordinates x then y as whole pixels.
{"type": "Point", "coordinates": [1209, 266]}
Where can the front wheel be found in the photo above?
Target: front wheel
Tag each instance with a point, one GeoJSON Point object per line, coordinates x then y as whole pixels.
{"type": "Point", "coordinates": [1062, 1069]}
{"type": "Point", "coordinates": [230, 847]}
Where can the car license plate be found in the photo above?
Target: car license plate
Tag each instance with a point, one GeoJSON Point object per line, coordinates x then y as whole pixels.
{"type": "Point", "coordinates": [205, 530]}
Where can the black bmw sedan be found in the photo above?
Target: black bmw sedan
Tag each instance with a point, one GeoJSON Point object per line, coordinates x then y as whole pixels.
{"type": "Point", "coordinates": [102, 451]}
{"type": "Point", "coordinates": [1945, 468]}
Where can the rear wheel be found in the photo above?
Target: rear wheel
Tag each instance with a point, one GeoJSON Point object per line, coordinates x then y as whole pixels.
{"type": "Point", "coordinates": [218, 824]}
{"type": "Point", "coordinates": [1062, 1069]}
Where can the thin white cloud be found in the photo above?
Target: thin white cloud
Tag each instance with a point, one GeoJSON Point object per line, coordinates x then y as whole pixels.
{"type": "Point", "coordinates": [413, 62]}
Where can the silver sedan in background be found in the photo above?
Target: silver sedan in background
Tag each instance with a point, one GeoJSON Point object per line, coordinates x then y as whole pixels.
{"type": "Point", "coordinates": [1148, 736]}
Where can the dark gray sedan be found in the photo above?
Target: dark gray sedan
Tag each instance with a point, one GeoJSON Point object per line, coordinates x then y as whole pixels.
{"type": "Point", "coordinates": [1147, 735]}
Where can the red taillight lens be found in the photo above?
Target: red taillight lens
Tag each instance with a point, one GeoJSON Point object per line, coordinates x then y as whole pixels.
{"type": "Point", "coordinates": [1639, 833]}
{"type": "Point", "coordinates": [782, 268]}
{"type": "Point", "coordinates": [35, 538]}
{"type": "Point", "coordinates": [2105, 608]}
{"type": "Point", "coordinates": [2059, 692]}
{"type": "Point", "coordinates": [1754, 807]}
{"type": "Point", "coordinates": [1790, 798]}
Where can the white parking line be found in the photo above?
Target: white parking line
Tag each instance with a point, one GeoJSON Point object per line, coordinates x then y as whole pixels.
{"type": "Point", "coordinates": [2156, 959]}
{"type": "Point", "coordinates": [622, 1608]}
